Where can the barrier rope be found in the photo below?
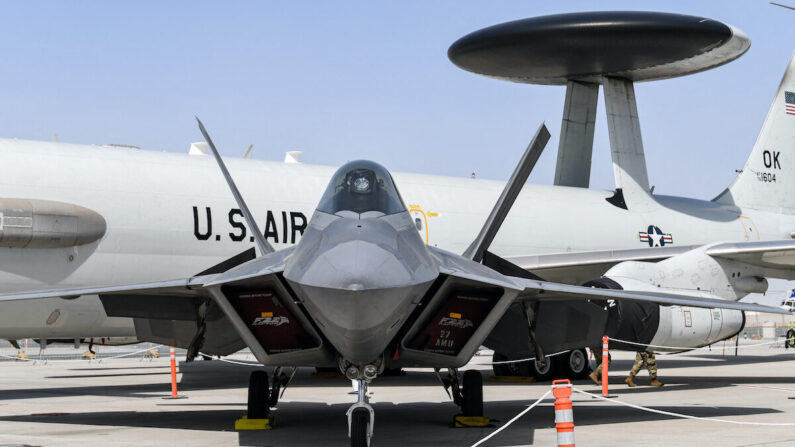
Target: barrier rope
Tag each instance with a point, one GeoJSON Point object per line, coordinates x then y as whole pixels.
{"type": "Point", "coordinates": [520, 360]}
{"type": "Point", "coordinates": [255, 365]}
{"type": "Point", "coordinates": [694, 349]}
{"type": "Point", "coordinates": [522, 413]}
{"type": "Point", "coordinates": [99, 359]}
{"type": "Point", "coordinates": [683, 416]}
{"type": "Point", "coordinates": [44, 358]}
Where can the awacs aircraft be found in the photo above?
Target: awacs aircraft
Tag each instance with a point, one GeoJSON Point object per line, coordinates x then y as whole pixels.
{"type": "Point", "coordinates": [117, 215]}
{"type": "Point", "coordinates": [361, 291]}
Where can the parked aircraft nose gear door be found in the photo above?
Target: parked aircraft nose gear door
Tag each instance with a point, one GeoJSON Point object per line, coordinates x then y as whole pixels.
{"type": "Point", "coordinates": [751, 232]}
{"type": "Point", "coordinates": [420, 221]}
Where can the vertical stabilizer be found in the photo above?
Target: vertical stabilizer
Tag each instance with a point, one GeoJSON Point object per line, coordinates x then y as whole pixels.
{"type": "Point", "coordinates": [626, 145]}
{"type": "Point", "coordinates": [767, 182]}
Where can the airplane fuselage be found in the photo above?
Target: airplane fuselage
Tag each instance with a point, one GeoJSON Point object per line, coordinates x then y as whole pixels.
{"type": "Point", "coordinates": [171, 215]}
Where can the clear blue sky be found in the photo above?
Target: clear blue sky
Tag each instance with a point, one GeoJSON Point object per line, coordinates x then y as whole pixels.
{"type": "Point", "coordinates": [346, 80]}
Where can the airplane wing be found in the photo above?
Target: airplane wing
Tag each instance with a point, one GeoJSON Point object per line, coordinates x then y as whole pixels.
{"type": "Point", "coordinates": [546, 291]}
{"type": "Point", "coordinates": [189, 286]}
{"type": "Point", "coordinates": [535, 289]}
{"type": "Point", "coordinates": [578, 267]}
{"type": "Point", "coordinates": [767, 254]}
{"type": "Point", "coordinates": [195, 286]}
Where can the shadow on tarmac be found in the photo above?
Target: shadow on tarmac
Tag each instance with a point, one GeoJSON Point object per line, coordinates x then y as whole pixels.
{"type": "Point", "coordinates": [428, 422]}
{"type": "Point", "coordinates": [312, 423]}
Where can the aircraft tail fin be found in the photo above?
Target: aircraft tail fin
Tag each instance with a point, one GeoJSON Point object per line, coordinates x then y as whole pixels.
{"type": "Point", "coordinates": [767, 181]}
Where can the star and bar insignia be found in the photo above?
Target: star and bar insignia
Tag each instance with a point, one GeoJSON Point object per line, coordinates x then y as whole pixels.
{"type": "Point", "coordinates": [655, 237]}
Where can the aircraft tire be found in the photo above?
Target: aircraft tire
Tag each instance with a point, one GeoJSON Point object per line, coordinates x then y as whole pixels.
{"type": "Point", "coordinates": [258, 393]}
{"type": "Point", "coordinates": [544, 370]}
{"type": "Point", "coordinates": [472, 403]}
{"type": "Point", "coordinates": [573, 365]}
{"type": "Point", "coordinates": [360, 420]}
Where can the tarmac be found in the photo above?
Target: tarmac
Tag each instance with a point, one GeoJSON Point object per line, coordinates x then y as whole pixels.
{"type": "Point", "coordinates": [120, 402]}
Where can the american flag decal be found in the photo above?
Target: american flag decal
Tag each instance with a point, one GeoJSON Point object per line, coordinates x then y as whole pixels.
{"type": "Point", "coordinates": [789, 100]}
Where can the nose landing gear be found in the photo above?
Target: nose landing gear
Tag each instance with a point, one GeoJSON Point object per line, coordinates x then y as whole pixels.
{"type": "Point", "coordinates": [361, 418]}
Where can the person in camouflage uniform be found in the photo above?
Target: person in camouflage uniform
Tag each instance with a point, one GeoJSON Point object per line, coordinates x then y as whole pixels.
{"type": "Point", "coordinates": [644, 358]}
{"type": "Point", "coordinates": [596, 375]}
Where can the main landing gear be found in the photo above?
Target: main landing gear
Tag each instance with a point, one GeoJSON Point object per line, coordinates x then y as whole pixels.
{"type": "Point", "coordinates": [467, 393]}
{"type": "Point", "coordinates": [264, 394]}
{"type": "Point", "coordinates": [572, 365]}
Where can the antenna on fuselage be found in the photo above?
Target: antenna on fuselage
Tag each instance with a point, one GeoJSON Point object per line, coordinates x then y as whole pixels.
{"type": "Point", "coordinates": [262, 244]}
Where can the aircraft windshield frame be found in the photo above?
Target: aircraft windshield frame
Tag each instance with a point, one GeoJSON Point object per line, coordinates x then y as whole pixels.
{"type": "Point", "coordinates": [361, 186]}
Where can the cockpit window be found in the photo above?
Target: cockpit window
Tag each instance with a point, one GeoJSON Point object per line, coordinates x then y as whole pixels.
{"type": "Point", "coordinates": [361, 186]}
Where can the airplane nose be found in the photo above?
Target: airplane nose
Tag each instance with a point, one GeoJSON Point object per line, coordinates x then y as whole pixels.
{"type": "Point", "coordinates": [360, 293]}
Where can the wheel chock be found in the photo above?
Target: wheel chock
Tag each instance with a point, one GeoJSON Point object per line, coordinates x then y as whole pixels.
{"type": "Point", "coordinates": [245, 423]}
{"type": "Point", "coordinates": [89, 355]}
{"type": "Point", "coordinates": [471, 421]}
{"type": "Point", "coordinates": [511, 379]}
{"type": "Point", "coordinates": [22, 356]}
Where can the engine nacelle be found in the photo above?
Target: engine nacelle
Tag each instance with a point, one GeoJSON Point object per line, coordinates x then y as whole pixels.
{"type": "Point", "coordinates": [693, 327]}
{"type": "Point", "coordinates": [679, 327]}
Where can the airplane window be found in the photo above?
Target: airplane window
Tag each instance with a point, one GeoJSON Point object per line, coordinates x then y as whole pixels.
{"type": "Point", "coordinates": [418, 223]}
{"type": "Point", "coordinates": [361, 186]}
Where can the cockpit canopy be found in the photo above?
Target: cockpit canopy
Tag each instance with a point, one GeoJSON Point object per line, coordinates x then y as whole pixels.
{"type": "Point", "coordinates": [361, 186]}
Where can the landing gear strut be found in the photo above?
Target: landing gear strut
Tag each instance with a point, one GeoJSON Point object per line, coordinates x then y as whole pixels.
{"type": "Point", "coordinates": [280, 381]}
{"type": "Point", "coordinates": [361, 419]}
{"type": "Point", "coordinates": [466, 393]}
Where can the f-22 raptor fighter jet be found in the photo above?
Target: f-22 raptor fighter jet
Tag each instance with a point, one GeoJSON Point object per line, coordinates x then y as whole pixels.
{"type": "Point", "coordinates": [362, 292]}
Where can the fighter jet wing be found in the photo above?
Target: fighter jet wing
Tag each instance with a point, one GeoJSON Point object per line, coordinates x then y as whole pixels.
{"type": "Point", "coordinates": [189, 286]}
{"type": "Point", "coordinates": [578, 267]}
{"type": "Point", "coordinates": [193, 286]}
{"type": "Point", "coordinates": [547, 291]}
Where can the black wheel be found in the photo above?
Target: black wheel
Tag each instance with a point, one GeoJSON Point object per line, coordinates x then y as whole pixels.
{"type": "Point", "coordinates": [518, 369]}
{"type": "Point", "coordinates": [542, 370]}
{"type": "Point", "coordinates": [472, 383]}
{"type": "Point", "coordinates": [258, 392]}
{"type": "Point", "coordinates": [790, 341]}
{"type": "Point", "coordinates": [360, 423]}
{"type": "Point", "coordinates": [573, 365]}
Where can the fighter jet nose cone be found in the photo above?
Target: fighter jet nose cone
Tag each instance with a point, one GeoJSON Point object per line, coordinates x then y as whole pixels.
{"type": "Point", "coordinates": [356, 265]}
{"type": "Point", "coordinates": [355, 286]}
{"type": "Point", "coordinates": [360, 291]}
{"type": "Point", "coordinates": [360, 323]}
